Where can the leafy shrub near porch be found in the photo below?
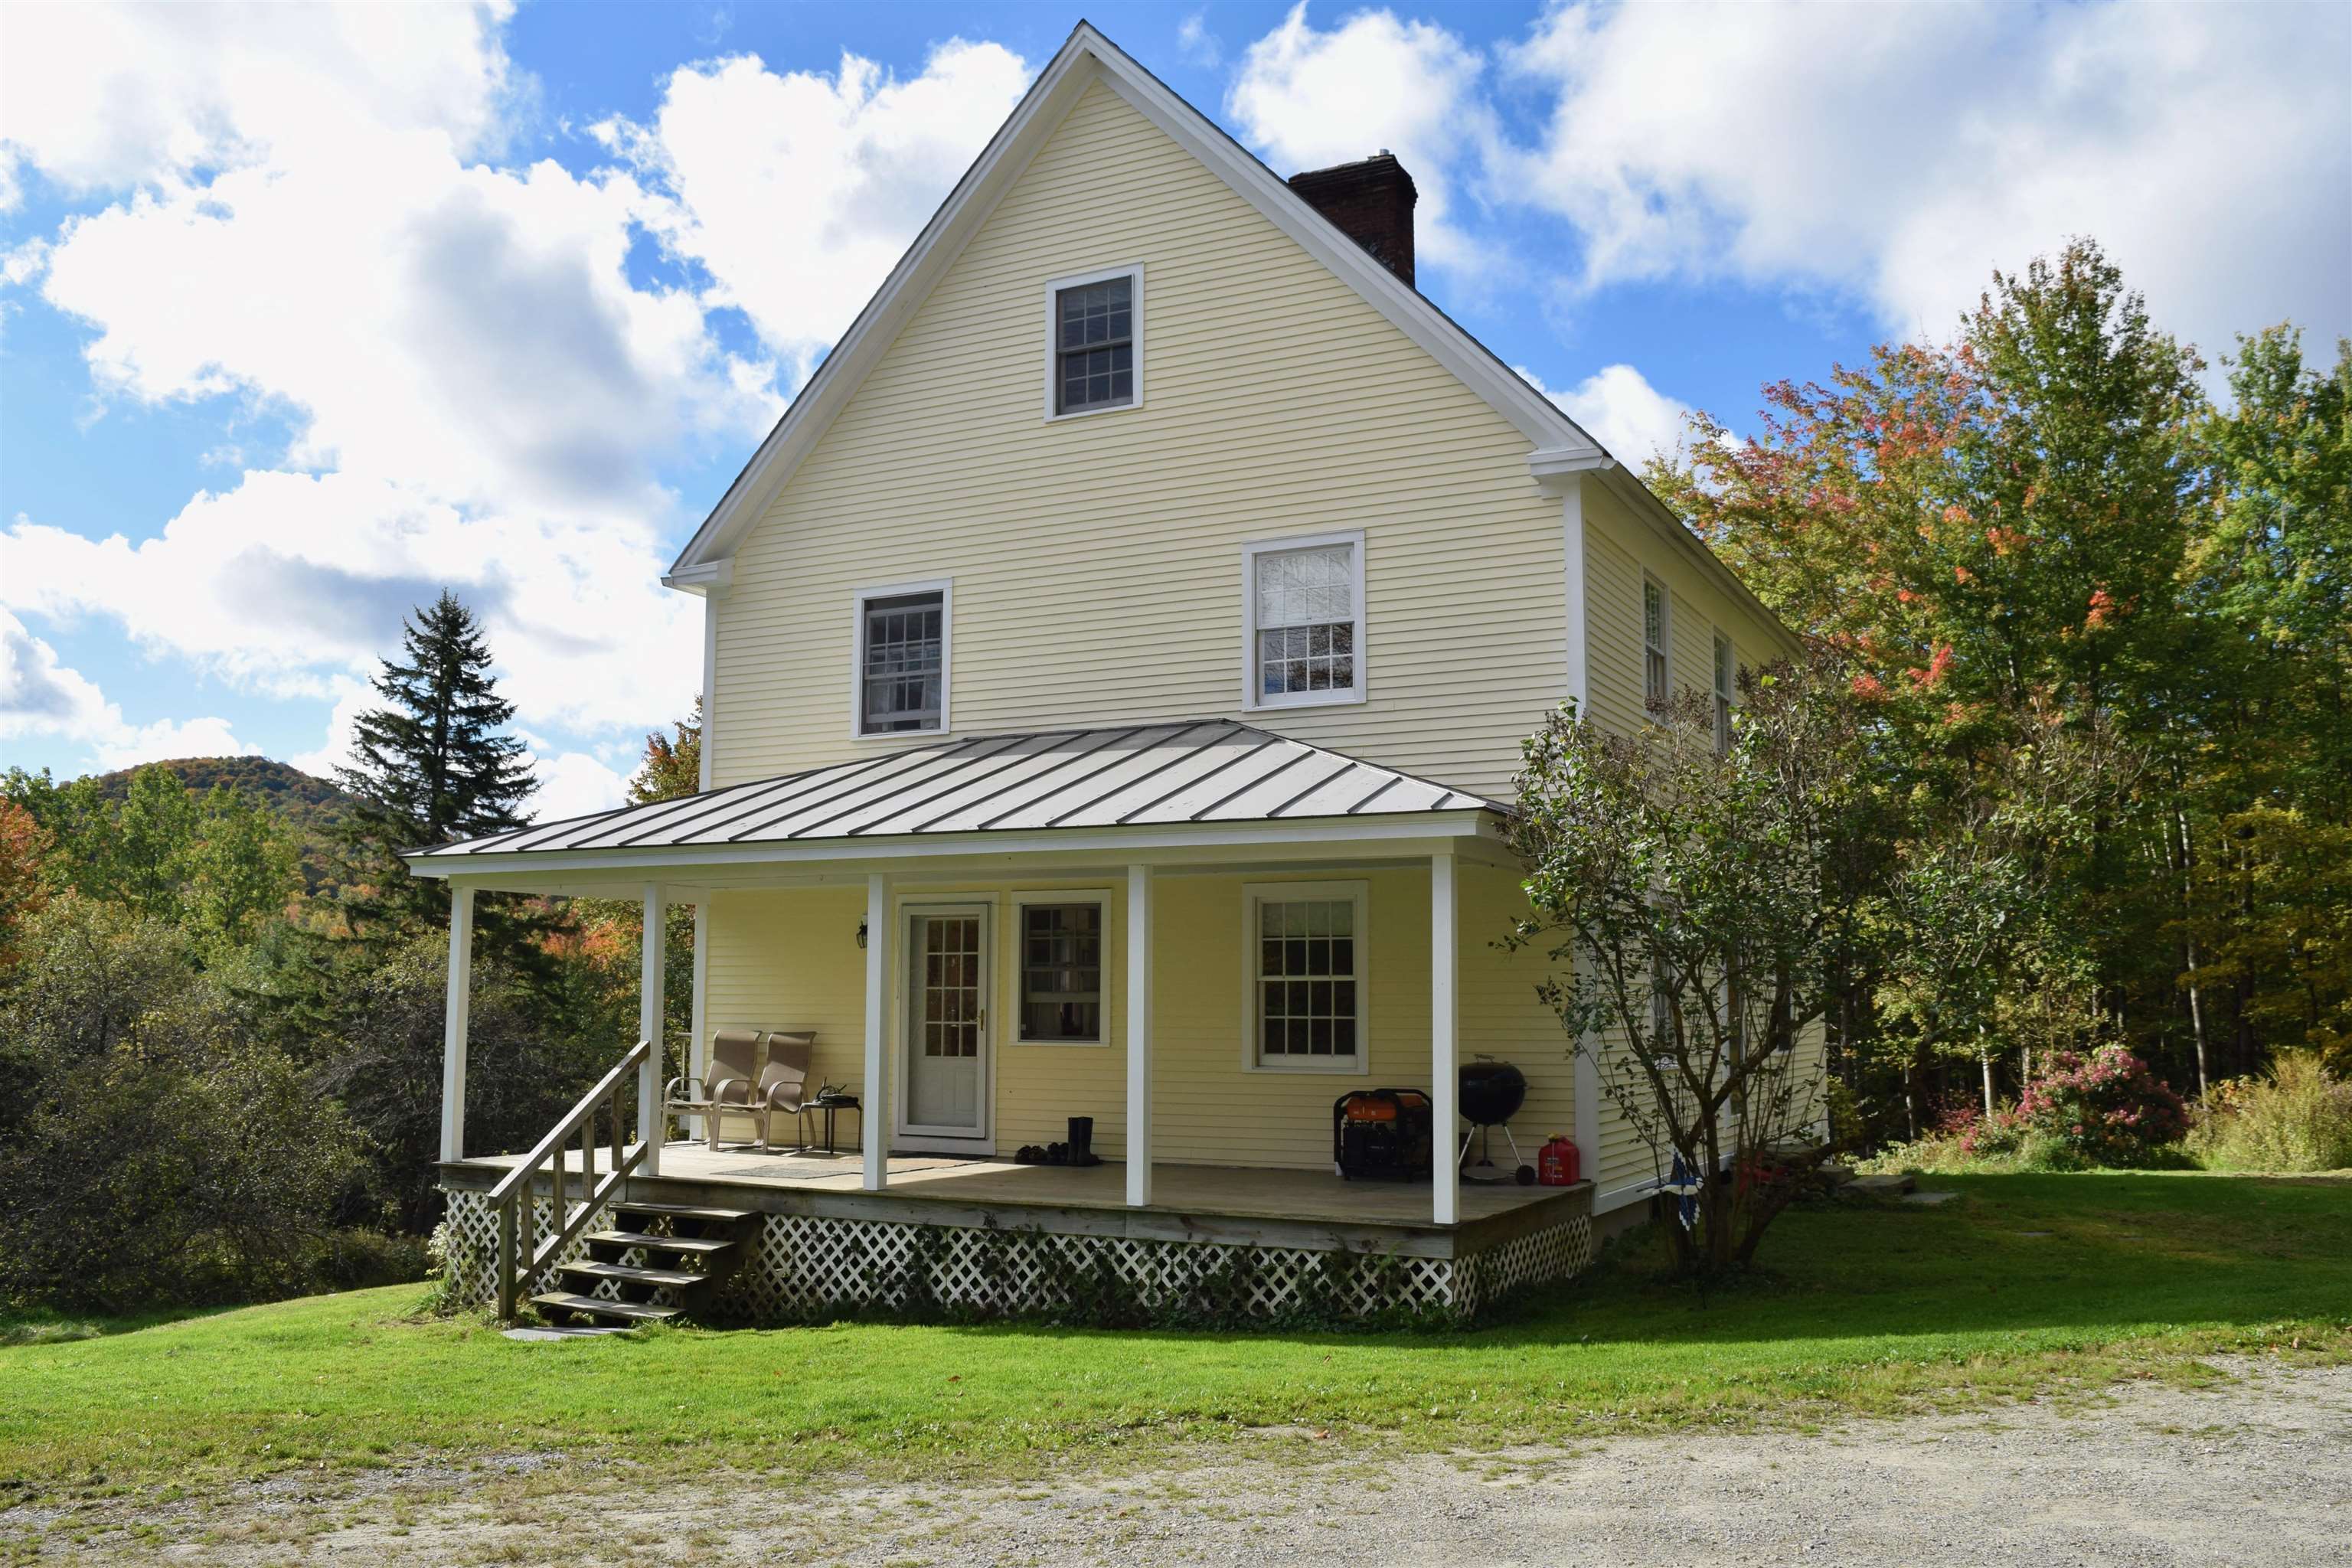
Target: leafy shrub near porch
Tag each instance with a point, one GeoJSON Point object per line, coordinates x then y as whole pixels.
{"type": "Point", "coordinates": [151, 1151]}
{"type": "Point", "coordinates": [2100, 1108]}
{"type": "Point", "coordinates": [2299, 1118]}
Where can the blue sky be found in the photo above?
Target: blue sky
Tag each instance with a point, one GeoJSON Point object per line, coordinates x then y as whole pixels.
{"type": "Point", "coordinates": [305, 312]}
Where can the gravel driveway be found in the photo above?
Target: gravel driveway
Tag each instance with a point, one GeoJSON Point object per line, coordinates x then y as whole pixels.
{"type": "Point", "coordinates": [2257, 1472]}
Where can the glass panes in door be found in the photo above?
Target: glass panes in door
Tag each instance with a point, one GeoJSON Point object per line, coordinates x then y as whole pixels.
{"type": "Point", "coordinates": [947, 1018]}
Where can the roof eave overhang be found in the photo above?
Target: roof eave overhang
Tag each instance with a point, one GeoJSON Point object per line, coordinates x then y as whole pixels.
{"type": "Point", "coordinates": [703, 578]}
{"type": "Point", "coordinates": [1555, 468]}
{"type": "Point", "coordinates": [1339, 835]}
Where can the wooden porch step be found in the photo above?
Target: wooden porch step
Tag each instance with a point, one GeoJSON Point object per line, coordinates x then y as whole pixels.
{"type": "Point", "coordinates": [681, 1211]}
{"type": "Point", "coordinates": [565, 1303]}
{"type": "Point", "coordinates": [702, 1246]}
{"type": "Point", "coordinates": [678, 1277]}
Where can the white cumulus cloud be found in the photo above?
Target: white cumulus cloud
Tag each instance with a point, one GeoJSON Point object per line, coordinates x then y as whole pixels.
{"type": "Point", "coordinates": [1312, 99]}
{"type": "Point", "coordinates": [307, 220]}
{"type": "Point", "coordinates": [573, 784]}
{"type": "Point", "coordinates": [1896, 154]}
{"type": "Point", "coordinates": [798, 192]}
{"type": "Point", "coordinates": [105, 97]}
{"type": "Point", "coordinates": [1618, 407]}
{"type": "Point", "coordinates": [39, 694]}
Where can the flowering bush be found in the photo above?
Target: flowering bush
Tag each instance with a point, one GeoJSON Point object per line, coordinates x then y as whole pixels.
{"type": "Point", "coordinates": [1980, 1137]}
{"type": "Point", "coordinates": [2103, 1108]}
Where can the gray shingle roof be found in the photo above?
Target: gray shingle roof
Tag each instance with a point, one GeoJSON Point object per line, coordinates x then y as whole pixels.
{"type": "Point", "coordinates": [1204, 771]}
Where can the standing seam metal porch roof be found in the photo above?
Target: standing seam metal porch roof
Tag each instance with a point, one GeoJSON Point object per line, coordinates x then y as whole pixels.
{"type": "Point", "coordinates": [1204, 771]}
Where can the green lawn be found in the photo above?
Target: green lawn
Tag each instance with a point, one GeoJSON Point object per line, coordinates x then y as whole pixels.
{"type": "Point", "coordinates": [1871, 1310]}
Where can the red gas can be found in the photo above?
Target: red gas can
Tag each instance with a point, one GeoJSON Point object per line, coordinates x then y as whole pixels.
{"type": "Point", "coordinates": [1555, 1164]}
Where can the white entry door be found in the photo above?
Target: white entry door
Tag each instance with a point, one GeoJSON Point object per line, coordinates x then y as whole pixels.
{"type": "Point", "coordinates": [947, 1022]}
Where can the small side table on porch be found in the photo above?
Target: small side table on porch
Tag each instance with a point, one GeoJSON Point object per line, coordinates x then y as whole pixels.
{"type": "Point", "coordinates": [831, 1106]}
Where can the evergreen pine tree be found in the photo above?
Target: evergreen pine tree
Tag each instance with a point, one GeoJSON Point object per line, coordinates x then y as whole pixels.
{"type": "Point", "coordinates": [432, 767]}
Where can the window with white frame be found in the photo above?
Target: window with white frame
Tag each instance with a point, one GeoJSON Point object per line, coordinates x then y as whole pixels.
{"type": "Point", "coordinates": [1661, 1021]}
{"type": "Point", "coordinates": [1305, 602]}
{"type": "Point", "coordinates": [902, 644]}
{"type": "Point", "coordinates": [1098, 342]}
{"type": "Point", "coordinates": [1653, 640]}
{"type": "Point", "coordinates": [1724, 668]}
{"type": "Point", "coordinates": [1306, 968]}
{"type": "Point", "coordinates": [1061, 968]}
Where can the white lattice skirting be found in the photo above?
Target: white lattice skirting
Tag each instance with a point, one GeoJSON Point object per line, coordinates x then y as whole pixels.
{"type": "Point", "coordinates": [471, 1234]}
{"type": "Point", "coordinates": [804, 1267]}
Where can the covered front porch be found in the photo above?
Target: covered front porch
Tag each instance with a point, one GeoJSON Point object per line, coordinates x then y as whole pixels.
{"type": "Point", "coordinates": [1260, 926]}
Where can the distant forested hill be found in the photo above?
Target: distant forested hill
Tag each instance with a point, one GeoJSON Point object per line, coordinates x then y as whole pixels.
{"type": "Point", "coordinates": [309, 807]}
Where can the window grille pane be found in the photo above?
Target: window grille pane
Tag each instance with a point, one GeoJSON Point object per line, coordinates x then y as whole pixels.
{"type": "Point", "coordinates": [1307, 978]}
{"type": "Point", "coordinates": [1306, 616]}
{"type": "Point", "coordinates": [1095, 345]}
{"type": "Point", "coordinates": [902, 669]}
{"type": "Point", "coordinates": [1654, 642]}
{"type": "Point", "coordinates": [1724, 666]}
{"type": "Point", "coordinates": [1061, 973]}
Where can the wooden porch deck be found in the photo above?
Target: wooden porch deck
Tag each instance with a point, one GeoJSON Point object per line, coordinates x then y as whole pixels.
{"type": "Point", "coordinates": [1192, 1203]}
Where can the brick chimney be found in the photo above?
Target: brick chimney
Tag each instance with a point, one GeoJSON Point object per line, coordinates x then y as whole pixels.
{"type": "Point", "coordinates": [1371, 202]}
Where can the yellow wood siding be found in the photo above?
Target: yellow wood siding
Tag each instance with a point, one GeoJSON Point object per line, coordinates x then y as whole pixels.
{"type": "Point", "coordinates": [788, 959]}
{"type": "Point", "coordinates": [1097, 576]}
{"type": "Point", "coordinates": [1619, 548]}
{"type": "Point", "coordinates": [1097, 561]}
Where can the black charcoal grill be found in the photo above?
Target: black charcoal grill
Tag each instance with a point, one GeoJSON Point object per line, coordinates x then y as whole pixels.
{"type": "Point", "coordinates": [1491, 1094]}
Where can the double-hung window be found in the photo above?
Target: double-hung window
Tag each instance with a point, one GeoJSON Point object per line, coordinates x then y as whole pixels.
{"type": "Point", "coordinates": [1095, 360]}
{"type": "Point", "coordinates": [902, 659]}
{"type": "Point", "coordinates": [1723, 667]}
{"type": "Point", "coordinates": [1307, 962]}
{"type": "Point", "coordinates": [1306, 611]}
{"type": "Point", "coordinates": [1661, 1021]}
{"type": "Point", "coordinates": [1655, 632]}
{"type": "Point", "coordinates": [1062, 968]}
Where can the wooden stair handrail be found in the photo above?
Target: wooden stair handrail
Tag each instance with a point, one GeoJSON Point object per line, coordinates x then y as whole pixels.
{"type": "Point", "coordinates": [514, 1179]}
{"type": "Point", "coordinates": [521, 1255]}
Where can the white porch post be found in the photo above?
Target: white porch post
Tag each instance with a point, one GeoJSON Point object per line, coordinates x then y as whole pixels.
{"type": "Point", "coordinates": [651, 975]}
{"type": "Point", "coordinates": [874, 1114]}
{"type": "Point", "coordinates": [457, 1016]}
{"type": "Point", "coordinates": [1139, 1035]}
{"type": "Point", "coordinates": [698, 1043]}
{"type": "Point", "coordinates": [1445, 1163]}
{"type": "Point", "coordinates": [1588, 1110]}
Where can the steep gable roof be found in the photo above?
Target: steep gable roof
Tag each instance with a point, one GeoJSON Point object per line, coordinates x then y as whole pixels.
{"type": "Point", "coordinates": [1559, 446]}
{"type": "Point", "coordinates": [1087, 58]}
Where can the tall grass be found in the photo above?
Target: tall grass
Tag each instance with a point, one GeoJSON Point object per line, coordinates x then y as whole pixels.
{"type": "Point", "coordinates": [2297, 1118]}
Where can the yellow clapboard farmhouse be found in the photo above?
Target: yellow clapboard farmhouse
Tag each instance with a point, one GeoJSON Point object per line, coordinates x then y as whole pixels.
{"type": "Point", "coordinates": [1115, 666]}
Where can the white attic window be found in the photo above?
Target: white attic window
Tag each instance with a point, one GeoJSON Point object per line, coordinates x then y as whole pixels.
{"type": "Point", "coordinates": [1094, 343]}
